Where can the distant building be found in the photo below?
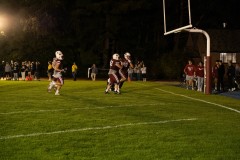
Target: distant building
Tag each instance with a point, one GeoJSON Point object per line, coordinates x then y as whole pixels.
{"type": "Point", "coordinates": [224, 45]}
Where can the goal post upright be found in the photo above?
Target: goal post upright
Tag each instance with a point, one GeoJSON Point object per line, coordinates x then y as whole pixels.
{"type": "Point", "coordinates": [189, 28]}
{"type": "Point", "coordinates": [208, 88]}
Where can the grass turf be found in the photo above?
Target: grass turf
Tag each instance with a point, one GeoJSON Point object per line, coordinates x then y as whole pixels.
{"type": "Point", "coordinates": [148, 121]}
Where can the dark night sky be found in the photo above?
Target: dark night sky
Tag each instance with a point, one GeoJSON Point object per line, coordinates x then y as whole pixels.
{"type": "Point", "coordinates": [211, 14]}
{"type": "Point", "coordinates": [206, 14]}
{"type": "Point", "coordinates": [82, 28]}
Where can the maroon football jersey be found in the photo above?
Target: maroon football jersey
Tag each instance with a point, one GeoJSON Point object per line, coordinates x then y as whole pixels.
{"type": "Point", "coordinates": [113, 64]}
{"type": "Point", "coordinates": [125, 64]}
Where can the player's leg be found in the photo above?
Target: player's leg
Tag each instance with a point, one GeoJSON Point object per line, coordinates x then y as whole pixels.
{"type": "Point", "coordinates": [59, 85]}
{"type": "Point", "coordinates": [121, 84]}
{"type": "Point", "coordinates": [109, 83]}
{"type": "Point", "coordinates": [122, 76]}
{"type": "Point", "coordinates": [116, 81]}
{"type": "Point", "coordinates": [187, 81]}
{"type": "Point", "coordinates": [191, 83]}
{"type": "Point", "coordinates": [116, 88]}
{"type": "Point", "coordinates": [52, 84]}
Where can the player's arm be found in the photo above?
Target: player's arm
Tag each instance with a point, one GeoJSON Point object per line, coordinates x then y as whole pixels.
{"type": "Point", "coordinates": [57, 68]}
{"type": "Point", "coordinates": [195, 71]}
{"type": "Point", "coordinates": [130, 63]}
{"type": "Point", "coordinates": [185, 70]}
{"type": "Point", "coordinates": [119, 65]}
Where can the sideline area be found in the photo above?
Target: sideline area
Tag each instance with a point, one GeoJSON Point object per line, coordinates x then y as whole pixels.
{"type": "Point", "coordinates": [233, 94]}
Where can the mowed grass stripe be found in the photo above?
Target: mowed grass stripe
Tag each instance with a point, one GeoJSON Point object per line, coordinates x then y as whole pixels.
{"type": "Point", "coordinates": [115, 133]}
{"type": "Point", "coordinates": [94, 128]}
{"type": "Point", "coordinates": [83, 108]}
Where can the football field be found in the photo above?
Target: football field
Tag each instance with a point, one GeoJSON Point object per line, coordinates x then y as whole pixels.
{"type": "Point", "coordinates": [148, 121]}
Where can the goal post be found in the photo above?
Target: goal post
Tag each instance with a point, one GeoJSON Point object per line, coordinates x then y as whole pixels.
{"type": "Point", "coordinates": [207, 62]}
{"type": "Point", "coordinates": [187, 27]}
{"type": "Point", "coordinates": [186, 24]}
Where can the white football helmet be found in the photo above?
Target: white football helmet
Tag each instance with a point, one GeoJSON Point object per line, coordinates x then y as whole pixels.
{"type": "Point", "coordinates": [59, 55]}
{"type": "Point", "coordinates": [115, 56]}
{"type": "Point", "coordinates": [127, 55]}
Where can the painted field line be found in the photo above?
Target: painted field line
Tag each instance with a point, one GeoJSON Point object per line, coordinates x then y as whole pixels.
{"type": "Point", "coordinates": [84, 108]}
{"type": "Point", "coordinates": [200, 100]}
{"type": "Point", "coordinates": [196, 99]}
{"type": "Point", "coordinates": [92, 128]}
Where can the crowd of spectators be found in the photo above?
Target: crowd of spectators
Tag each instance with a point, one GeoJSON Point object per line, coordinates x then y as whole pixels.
{"type": "Point", "coordinates": [221, 75]}
{"type": "Point", "coordinates": [138, 73]}
{"type": "Point", "coordinates": [14, 70]}
{"type": "Point", "coordinates": [231, 71]}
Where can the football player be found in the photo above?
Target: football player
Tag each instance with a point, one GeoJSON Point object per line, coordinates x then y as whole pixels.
{"type": "Point", "coordinates": [126, 63]}
{"type": "Point", "coordinates": [115, 66]}
{"type": "Point", "coordinates": [57, 73]}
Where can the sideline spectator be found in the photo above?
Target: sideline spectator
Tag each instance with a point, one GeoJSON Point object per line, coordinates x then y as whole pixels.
{"type": "Point", "coordinates": [144, 73]}
{"type": "Point", "coordinates": [33, 69]}
{"type": "Point", "coordinates": [28, 70]}
{"type": "Point", "coordinates": [137, 71]}
{"type": "Point", "coordinates": [50, 71]}
{"type": "Point", "coordinates": [221, 73]}
{"type": "Point", "coordinates": [37, 71]}
{"type": "Point", "coordinates": [200, 76]}
{"type": "Point", "coordinates": [237, 75]}
{"type": "Point", "coordinates": [15, 71]}
{"type": "Point", "coordinates": [237, 70]}
{"type": "Point", "coordinates": [23, 71]}
{"type": "Point", "coordinates": [8, 71]}
{"type": "Point", "coordinates": [94, 72]}
{"type": "Point", "coordinates": [130, 74]}
{"type": "Point", "coordinates": [12, 66]}
{"type": "Point", "coordinates": [231, 75]}
{"type": "Point", "coordinates": [215, 74]}
{"type": "Point", "coordinates": [74, 71]}
{"type": "Point", "coordinates": [190, 72]}
{"type": "Point", "coordinates": [2, 69]}
{"type": "Point", "coordinates": [138, 67]}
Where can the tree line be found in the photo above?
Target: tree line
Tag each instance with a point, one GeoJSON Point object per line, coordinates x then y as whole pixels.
{"type": "Point", "coordinates": [90, 31]}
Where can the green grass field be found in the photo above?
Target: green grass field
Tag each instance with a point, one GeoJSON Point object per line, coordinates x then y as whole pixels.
{"type": "Point", "coordinates": [148, 121]}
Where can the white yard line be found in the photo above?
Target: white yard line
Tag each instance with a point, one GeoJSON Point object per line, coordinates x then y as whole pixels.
{"type": "Point", "coordinates": [92, 128]}
{"type": "Point", "coordinates": [196, 99]}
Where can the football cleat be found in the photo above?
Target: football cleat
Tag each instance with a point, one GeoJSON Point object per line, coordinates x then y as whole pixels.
{"type": "Point", "coordinates": [117, 92]}
{"type": "Point", "coordinates": [49, 90]}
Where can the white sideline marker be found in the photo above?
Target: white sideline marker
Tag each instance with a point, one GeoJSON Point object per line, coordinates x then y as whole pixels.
{"type": "Point", "coordinates": [196, 99]}
{"type": "Point", "coordinates": [92, 128]}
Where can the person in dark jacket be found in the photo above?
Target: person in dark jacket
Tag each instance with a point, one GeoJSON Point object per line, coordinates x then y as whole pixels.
{"type": "Point", "coordinates": [221, 73]}
{"type": "Point", "coordinates": [2, 70]}
{"type": "Point", "coordinates": [230, 75]}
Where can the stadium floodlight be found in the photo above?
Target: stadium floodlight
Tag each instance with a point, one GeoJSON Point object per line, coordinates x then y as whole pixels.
{"type": "Point", "coordinates": [3, 22]}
